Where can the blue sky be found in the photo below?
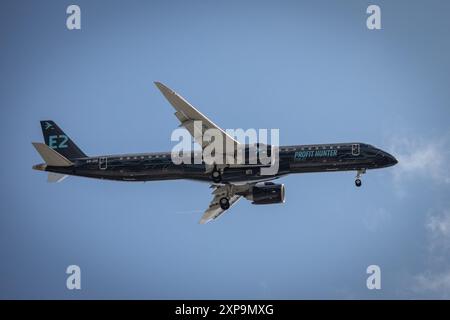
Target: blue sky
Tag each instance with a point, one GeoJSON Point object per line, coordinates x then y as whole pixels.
{"type": "Point", "coordinates": [310, 68]}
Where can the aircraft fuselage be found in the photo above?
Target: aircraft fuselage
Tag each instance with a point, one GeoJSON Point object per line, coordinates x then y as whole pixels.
{"type": "Point", "coordinates": [292, 159]}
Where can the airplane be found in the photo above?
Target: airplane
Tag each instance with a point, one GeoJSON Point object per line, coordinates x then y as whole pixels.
{"type": "Point", "coordinates": [229, 182]}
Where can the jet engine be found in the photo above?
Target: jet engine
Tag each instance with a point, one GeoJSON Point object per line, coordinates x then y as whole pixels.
{"type": "Point", "coordinates": [267, 193]}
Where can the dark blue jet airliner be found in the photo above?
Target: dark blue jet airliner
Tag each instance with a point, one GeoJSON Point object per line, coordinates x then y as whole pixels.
{"type": "Point", "coordinates": [230, 181]}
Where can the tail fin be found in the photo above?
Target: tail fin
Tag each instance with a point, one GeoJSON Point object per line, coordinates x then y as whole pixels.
{"type": "Point", "coordinates": [56, 139]}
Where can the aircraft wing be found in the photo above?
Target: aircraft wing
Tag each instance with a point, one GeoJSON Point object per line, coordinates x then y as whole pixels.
{"type": "Point", "coordinates": [214, 210]}
{"type": "Point", "coordinates": [188, 115]}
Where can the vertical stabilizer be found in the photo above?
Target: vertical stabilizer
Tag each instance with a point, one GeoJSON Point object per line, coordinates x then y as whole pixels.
{"type": "Point", "coordinates": [56, 139]}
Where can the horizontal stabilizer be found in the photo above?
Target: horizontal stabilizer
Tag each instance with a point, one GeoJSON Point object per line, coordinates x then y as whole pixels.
{"type": "Point", "coordinates": [50, 156]}
{"type": "Point", "coordinates": [55, 177]}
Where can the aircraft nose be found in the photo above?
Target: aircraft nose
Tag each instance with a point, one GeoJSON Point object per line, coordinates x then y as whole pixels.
{"type": "Point", "coordinates": [394, 161]}
{"type": "Point", "coordinates": [385, 159]}
{"type": "Point", "coordinates": [391, 159]}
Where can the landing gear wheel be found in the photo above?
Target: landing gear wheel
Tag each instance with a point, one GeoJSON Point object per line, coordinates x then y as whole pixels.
{"type": "Point", "coordinates": [224, 203]}
{"type": "Point", "coordinates": [216, 176]}
{"type": "Point", "coordinates": [358, 182]}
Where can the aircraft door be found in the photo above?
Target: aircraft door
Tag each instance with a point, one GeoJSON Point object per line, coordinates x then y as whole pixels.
{"type": "Point", "coordinates": [355, 149]}
{"type": "Point", "coordinates": [102, 163]}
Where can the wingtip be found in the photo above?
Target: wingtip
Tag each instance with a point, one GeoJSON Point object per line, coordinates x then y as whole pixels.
{"type": "Point", "coordinates": [159, 85]}
{"type": "Point", "coordinates": [163, 88]}
{"type": "Point", "coordinates": [36, 144]}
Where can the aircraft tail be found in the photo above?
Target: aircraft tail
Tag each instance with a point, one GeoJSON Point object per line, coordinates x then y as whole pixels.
{"type": "Point", "coordinates": [53, 159]}
{"type": "Point", "coordinates": [56, 177]}
{"type": "Point", "coordinates": [57, 140]}
{"type": "Point", "coordinates": [50, 156]}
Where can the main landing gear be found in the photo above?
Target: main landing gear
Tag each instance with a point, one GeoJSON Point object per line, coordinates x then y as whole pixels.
{"type": "Point", "coordinates": [360, 172]}
{"type": "Point", "coordinates": [216, 175]}
{"type": "Point", "coordinates": [224, 203]}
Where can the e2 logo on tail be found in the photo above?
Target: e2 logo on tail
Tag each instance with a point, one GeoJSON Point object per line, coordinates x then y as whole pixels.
{"type": "Point", "coordinates": [58, 141]}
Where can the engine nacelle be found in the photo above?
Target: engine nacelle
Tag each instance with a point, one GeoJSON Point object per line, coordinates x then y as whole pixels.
{"type": "Point", "coordinates": [267, 193]}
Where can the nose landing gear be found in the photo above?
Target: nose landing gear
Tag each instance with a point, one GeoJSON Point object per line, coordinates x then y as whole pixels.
{"type": "Point", "coordinates": [360, 172]}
